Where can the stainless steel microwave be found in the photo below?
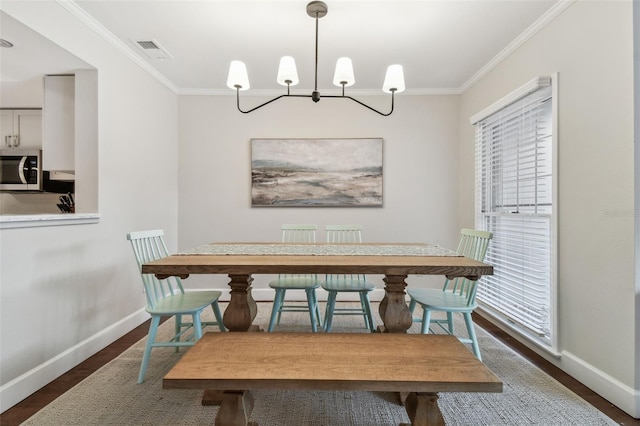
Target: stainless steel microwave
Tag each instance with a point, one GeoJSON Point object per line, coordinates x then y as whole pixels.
{"type": "Point", "coordinates": [20, 170]}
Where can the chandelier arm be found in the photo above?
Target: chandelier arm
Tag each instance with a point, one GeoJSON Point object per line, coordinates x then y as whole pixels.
{"type": "Point", "coordinates": [265, 103]}
{"type": "Point", "coordinates": [365, 105]}
{"type": "Point", "coordinates": [259, 106]}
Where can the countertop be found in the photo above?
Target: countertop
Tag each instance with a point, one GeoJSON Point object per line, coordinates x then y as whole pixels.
{"type": "Point", "coordinates": [33, 220]}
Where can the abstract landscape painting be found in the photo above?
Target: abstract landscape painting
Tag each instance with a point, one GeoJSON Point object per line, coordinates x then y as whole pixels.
{"type": "Point", "coordinates": [316, 172]}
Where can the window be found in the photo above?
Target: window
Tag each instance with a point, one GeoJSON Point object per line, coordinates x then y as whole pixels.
{"type": "Point", "coordinates": [515, 201]}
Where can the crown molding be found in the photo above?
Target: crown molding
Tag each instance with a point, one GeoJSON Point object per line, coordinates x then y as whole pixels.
{"type": "Point", "coordinates": [540, 23]}
{"type": "Point", "coordinates": [354, 92]}
{"type": "Point", "coordinates": [99, 29]}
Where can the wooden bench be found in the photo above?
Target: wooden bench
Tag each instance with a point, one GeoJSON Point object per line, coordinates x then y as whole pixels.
{"type": "Point", "coordinates": [421, 365]}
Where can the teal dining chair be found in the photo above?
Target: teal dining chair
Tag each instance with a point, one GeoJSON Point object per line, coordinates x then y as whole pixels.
{"type": "Point", "coordinates": [167, 297]}
{"type": "Point", "coordinates": [456, 296]}
{"type": "Point", "coordinates": [347, 283]}
{"type": "Point", "coordinates": [292, 233]}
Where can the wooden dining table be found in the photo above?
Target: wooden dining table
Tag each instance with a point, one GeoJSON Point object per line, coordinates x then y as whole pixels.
{"type": "Point", "coordinates": [240, 261]}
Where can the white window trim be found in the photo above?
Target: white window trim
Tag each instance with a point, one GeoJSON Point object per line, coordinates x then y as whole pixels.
{"type": "Point", "coordinates": [519, 93]}
{"type": "Point", "coordinates": [512, 97]}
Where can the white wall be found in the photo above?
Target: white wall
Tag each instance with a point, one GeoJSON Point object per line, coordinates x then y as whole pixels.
{"type": "Point", "coordinates": [21, 94]}
{"type": "Point", "coordinates": [68, 291]}
{"type": "Point", "coordinates": [420, 151]}
{"type": "Point", "coordinates": [590, 45]}
{"type": "Point", "coordinates": [636, 80]}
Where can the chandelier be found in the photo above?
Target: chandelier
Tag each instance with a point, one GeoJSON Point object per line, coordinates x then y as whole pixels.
{"type": "Point", "coordinates": [238, 79]}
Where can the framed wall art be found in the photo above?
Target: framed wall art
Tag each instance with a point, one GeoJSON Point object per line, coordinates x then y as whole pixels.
{"type": "Point", "coordinates": [316, 172]}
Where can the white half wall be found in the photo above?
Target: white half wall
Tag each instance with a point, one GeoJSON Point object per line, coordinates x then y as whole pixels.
{"type": "Point", "coordinates": [68, 291]}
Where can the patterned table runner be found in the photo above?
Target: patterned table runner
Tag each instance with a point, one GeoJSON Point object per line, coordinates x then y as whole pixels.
{"type": "Point", "coordinates": [279, 249]}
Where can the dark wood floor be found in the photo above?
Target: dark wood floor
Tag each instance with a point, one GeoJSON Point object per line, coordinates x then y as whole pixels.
{"type": "Point", "coordinates": [29, 406]}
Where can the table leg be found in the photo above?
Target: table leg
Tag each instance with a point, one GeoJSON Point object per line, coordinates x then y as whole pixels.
{"type": "Point", "coordinates": [238, 316]}
{"type": "Point", "coordinates": [242, 309]}
{"type": "Point", "coordinates": [393, 309]}
{"type": "Point", "coordinates": [423, 409]}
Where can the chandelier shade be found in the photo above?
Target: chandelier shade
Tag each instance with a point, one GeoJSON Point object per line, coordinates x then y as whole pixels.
{"type": "Point", "coordinates": [238, 79]}
{"type": "Point", "coordinates": [344, 73]}
{"type": "Point", "coordinates": [394, 79]}
{"type": "Point", "coordinates": [287, 72]}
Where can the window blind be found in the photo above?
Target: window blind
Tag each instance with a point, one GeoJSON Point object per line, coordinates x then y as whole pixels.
{"type": "Point", "coordinates": [514, 201]}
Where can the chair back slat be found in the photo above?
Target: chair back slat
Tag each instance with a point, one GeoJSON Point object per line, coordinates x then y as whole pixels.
{"type": "Point", "coordinates": [147, 247]}
{"type": "Point", "coordinates": [298, 233]}
{"type": "Point", "coordinates": [473, 244]}
{"type": "Point", "coordinates": [344, 234]}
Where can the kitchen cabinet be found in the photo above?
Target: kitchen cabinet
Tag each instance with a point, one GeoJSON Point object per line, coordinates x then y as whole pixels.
{"type": "Point", "coordinates": [21, 128]}
{"type": "Point", "coordinates": [58, 144]}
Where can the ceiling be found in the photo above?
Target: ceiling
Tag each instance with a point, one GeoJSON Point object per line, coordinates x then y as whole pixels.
{"type": "Point", "coordinates": [32, 55]}
{"type": "Point", "coordinates": [442, 45]}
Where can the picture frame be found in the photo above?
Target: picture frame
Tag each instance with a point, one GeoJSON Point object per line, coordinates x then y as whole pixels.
{"type": "Point", "coordinates": [317, 172]}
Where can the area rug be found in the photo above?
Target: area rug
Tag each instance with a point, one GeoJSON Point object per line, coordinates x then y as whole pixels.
{"type": "Point", "coordinates": [111, 395]}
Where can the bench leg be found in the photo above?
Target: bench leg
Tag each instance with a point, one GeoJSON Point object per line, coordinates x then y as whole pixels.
{"type": "Point", "coordinates": [211, 397]}
{"type": "Point", "coordinates": [423, 409]}
{"type": "Point", "coordinates": [235, 409]}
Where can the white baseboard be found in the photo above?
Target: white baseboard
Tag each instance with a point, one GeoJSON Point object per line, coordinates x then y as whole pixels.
{"type": "Point", "coordinates": [611, 389]}
{"type": "Point", "coordinates": [29, 382]}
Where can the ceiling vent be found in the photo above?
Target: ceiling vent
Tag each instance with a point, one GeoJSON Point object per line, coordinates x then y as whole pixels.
{"type": "Point", "coordinates": [152, 49]}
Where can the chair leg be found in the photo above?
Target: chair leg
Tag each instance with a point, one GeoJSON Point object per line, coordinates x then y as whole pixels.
{"type": "Point", "coordinates": [317, 307]}
{"type": "Point", "coordinates": [151, 337]}
{"type": "Point", "coordinates": [328, 316]}
{"type": "Point", "coordinates": [312, 309]}
{"type": "Point", "coordinates": [283, 293]}
{"type": "Point", "coordinates": [412, 305]}
{"type": "Point", "coordinates": [450, 322]}
{"type": "Point", "coordinates": [363, 308]}
{"type": "Point", "coordinates": [197, 326]}
{"type": "Point", "coordinates": [178, 328]}
{"type": "Point", "coordinates": [472, 335]}
{"type": "Point", "coordinates": [219, 319]}
{"type": "Point", "coordinates": [366, 305]}
{"type": "Point", "coordinates": [426, 321]}
{"type": "Point", "coordinates": [275, 310]}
